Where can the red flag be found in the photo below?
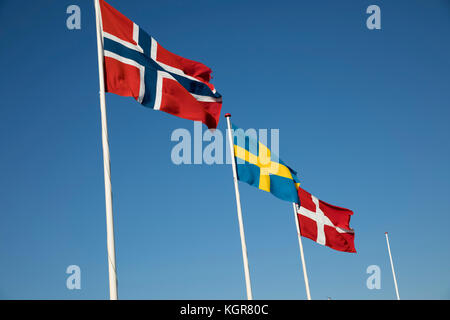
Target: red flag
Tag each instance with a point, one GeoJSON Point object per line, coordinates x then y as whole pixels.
{"type": "Point", "coordinates": [324, 223]}
{"type": "Point", "coordinates": [137, 65]}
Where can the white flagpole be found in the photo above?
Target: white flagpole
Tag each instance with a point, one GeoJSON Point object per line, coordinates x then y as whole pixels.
{"type": "Point", "coordinates": [392, 266]}
{"type": "Point", "coordinates": [305, 275]}
{"type": "Point", "coordinates": [106, 163]}
{"type": "Point", "coordinates": [239, 212]}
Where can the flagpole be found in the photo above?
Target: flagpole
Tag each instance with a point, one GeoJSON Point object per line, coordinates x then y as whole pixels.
{"type": "Point", "coordinates": [239, 212]}
{"type": "Point", "coordinates": [392, 266]}
{"type": "Point", "coordinates": [106, 162]}
{"type": "Point", "coordinates": [302, 256]}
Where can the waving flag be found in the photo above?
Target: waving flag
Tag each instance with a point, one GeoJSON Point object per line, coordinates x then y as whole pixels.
{"type": "Point", "coordinates": [136, 65]}
{"type": "Point", "coordinates": [257, 166]}
{"type": "Point", "coordinates": [324, 223]}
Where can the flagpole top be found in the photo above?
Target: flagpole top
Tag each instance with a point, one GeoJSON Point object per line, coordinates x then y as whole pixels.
{"type": "Point", "coordinates": [227, 115]}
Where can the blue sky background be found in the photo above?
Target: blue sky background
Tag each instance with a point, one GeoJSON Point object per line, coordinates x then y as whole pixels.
{"type": "Point", "coordinates": [363, 117]}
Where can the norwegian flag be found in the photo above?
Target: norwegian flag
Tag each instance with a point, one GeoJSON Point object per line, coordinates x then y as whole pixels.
{"type": "Point", "coordinates": [324, 223]}
{"type": "Point", "coordinates": [137, 65]}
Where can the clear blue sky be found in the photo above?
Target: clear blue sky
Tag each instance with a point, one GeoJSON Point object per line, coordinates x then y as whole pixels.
{"type": "Point", "coordinates": [363, 117]}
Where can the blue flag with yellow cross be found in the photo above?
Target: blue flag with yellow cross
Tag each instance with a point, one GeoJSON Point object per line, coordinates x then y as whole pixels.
{"type": "Point", "coordinates": [258, 167]}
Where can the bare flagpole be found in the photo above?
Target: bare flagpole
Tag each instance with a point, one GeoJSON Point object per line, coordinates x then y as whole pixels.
{"type": "Point", "coordinates": [106, 162]}
{"type": "Point", "coordinates": [239, 212]}
{"type": "Point", "coordinates": [302, 256]}
{"type": "Point", "coordinates": [392, 266]}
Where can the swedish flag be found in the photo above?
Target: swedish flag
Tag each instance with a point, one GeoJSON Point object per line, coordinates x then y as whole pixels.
{"type": "Point", "coordinates": [258, 167]}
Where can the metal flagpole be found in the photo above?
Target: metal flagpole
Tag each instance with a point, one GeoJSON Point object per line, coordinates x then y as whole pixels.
{"type": "Point", "coordinates": [106, 162]}
{"type": "Point", "coordinates": [305, 275]}
{"type": "Point", "coordinates": [239, 211]}
{"type": "Point", "coordinates": [392, 266]}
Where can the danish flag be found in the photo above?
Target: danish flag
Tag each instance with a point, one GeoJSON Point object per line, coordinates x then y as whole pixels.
{"type": "Point", "coordinates": [324, 223]}
{"type": "Point", "coordinates": [137, 65]}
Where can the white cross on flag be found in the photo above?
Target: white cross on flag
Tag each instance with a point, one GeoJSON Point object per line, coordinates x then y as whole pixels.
{"type": "Point", "coordinates": [324, 223]}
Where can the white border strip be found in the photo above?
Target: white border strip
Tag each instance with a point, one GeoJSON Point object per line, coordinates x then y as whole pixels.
{"type": "Point", "coordinates": [124, 43]}
{"type": "Point", "coordinates": [153, 49]}
{"type": "Point", "coordinates": [206, 98]}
